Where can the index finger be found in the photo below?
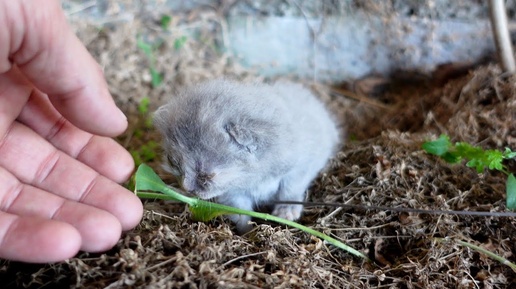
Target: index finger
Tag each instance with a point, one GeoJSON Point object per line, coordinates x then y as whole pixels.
{"type": "Point", "coordinates": [39, 41]}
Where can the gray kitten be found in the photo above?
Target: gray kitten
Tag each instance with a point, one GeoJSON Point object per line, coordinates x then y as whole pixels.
{"type": "Point", "coordinates": [246, 145]}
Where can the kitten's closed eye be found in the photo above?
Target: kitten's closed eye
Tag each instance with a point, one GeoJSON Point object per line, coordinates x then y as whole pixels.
{"type": "Point", "coordinates": [173, 166]}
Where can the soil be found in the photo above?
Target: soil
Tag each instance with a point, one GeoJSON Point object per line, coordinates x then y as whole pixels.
{"type": "Point", "coordinates": [381, 163]}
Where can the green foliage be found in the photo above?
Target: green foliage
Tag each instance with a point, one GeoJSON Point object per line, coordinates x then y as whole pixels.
{"type": "Point", "coordinates": [510, 188]}
{"type": "Point", "coordinates": [165, 21]}
{"type": "Point", "coordinates": [180, 42]}
{"type": "Point", "coordinates": [150, 186]}
{"type": "Point", "coordinates": [143, 109]}
{"type": "Point", "coordinates": [146, 153]}
{"type": "Point", "coordinates": [148, 50]}
{"type": "Point", "coordinates": [143, 106]}
{"type": "Point", "coordinates": [477, 158]}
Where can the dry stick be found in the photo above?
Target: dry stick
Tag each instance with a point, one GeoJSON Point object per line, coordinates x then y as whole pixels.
{"type": "Point", "coordinates": [398, 209]}
{"type": "Point", "coordinates": [502, 38]}
{"type": "Point", "coordinates": [364, 99]}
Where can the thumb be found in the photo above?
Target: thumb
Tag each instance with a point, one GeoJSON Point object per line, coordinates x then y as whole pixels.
{"type": "Point", "coordinates": [41, 44]}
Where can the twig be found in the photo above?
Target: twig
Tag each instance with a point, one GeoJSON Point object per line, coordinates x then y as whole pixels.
{"type": "Point", "coordinates": [363, 99]}
{"type": "Point", "coordinates": [242, 257]}
{"type": "Point", "coordinates": [81, 7]}
{"type": "Point", "coordinates": [406, 210]}
{"type": "Point", "coordinates": [168, 261]}
{"type": "Point", "coordinates": [501, 35]}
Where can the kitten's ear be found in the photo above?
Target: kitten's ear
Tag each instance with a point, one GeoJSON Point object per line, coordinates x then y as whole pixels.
{"type": "Point", "coordinates": [242, 136]}
{"type": "Point", "coordinates": [159, 117]}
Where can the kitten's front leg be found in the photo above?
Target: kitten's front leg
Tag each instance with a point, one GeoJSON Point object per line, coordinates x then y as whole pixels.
{"type": "Point", "coordinates": [242, 202]}
{"type": "Point", "coordinates": [292, 188]}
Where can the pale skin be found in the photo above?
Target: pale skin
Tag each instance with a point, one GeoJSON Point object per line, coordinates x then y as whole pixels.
{"type": "Point", "coordinates": [59, 167]}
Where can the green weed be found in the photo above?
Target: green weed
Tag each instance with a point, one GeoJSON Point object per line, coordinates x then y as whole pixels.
{"type": "Point", "coordinates": [477, 158]}
{"type": "Point", "coordinates": [180, 42]}
{"type": "Point", "coordinates": [165, 21]}
{"type": "Point", "coordinates": [148, 50]}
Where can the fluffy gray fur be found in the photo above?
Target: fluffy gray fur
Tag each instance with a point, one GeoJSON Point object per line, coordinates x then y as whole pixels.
{"type": "Point", "coordinates": [245, 145]}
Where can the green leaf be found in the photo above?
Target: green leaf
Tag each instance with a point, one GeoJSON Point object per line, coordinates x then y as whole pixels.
{"type": "Point", "coordinates": [511, 192]}
{"type": "Point", "coordinates": [145, 47]}
{"type": "Point", "coordinates": [180, 42]}
{"type": "Point", "coordinates": [148, 180]}
{"type": "Point", "coordinates": [508, 154]}
{"type": "Point", "coordinates": [494, 159]}
{"type": "Point", "coordinates": [165, 21]}
{"type": "Point", "coordinates": [468, 151]}
{"type": "Point", "coordinates": [477, 164]}
{"type": "Point", "coordinates": [438, 147]}
{"type": "Point", "coordinates": [143, 106]}
{"type": "Point", "coordinates": [156, 78]}
{"type": "Point", "coordinates": [451, 157]}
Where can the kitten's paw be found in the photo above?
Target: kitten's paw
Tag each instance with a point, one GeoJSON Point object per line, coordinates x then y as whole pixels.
{"type": "Point", "coordinates": [242, 223]}
{"type": "Point", "coordinates": [289, 212]}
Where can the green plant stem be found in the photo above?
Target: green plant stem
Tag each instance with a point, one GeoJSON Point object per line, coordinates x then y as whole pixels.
{"type": "Point", "coordinates": [480, 250]}
{"type": "Point", "coordinates": [267, 217]}
{"type": "Point", "coordinates": [150, 186]}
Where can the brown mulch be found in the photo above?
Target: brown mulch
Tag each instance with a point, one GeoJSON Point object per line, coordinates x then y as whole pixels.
{"type": "Point", "coordinates": [380, 164]}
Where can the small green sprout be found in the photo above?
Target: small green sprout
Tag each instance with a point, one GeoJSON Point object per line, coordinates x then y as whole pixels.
{"type": "Point", "coordinates": [180, 42]}
{"type": "Point", "coordinates": [165, 21]}
{"type": "Point", "coordinates": [146, 153]}
{"type": "Point", "coordinates": [477, 158]}
{"type": "Point", "coordinates": [148, 50]}
{"type": "Point", "coordinates": [143, 109]}
{"type": "Point", "coordinates": [150, 186]}
{"type": "Point", "coordinates": [143, 106]}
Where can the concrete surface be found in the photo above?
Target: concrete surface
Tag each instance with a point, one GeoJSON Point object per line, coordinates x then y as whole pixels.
{"type": "Point", "coordinates": [329, 40]}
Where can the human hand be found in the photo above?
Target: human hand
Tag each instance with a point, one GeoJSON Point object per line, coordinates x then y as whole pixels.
{"type": "Point", "coordinates": [58, 167]}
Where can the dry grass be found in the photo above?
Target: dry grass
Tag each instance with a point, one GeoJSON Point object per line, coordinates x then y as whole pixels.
{"type": "Point", "coordinates": [382, 166]}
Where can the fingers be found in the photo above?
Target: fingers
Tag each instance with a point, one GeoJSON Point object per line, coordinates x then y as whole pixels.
{"type": "Point", "coordinates": [27, 239]}
{"type": "Point", "coordinates": [98, 229]}
{"type": "Point", "coordinates": [100, 153]}
{"type": "Point", "coordinates": [36, 162]}
{"type": "Point", "coordinates": [14, 93]}
{"type": "Point", "coordinates": [54, 60]}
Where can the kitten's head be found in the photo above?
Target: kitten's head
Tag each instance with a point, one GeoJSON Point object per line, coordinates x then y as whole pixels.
{"type": "Point", "coordinates": [211, 156]}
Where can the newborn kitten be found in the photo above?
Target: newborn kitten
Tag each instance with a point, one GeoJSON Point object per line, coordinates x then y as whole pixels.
{"type": "Point", "coordinates": [245, 145]}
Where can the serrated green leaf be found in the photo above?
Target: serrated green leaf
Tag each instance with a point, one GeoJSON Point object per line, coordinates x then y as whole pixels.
{"type": "Point", "coordinates": [451, 157]}
{"type": "Point", "coordinates": [508, 154]}
{"type": "Point", "coordinates": [439, 146]}
{"type": "Point", "coordinates": [511, 192]}
{"type": "Point", "coordinates": [494, 159]}
{"type": "Point", "coordinates": [475, 163]}
{"type": "Point", "coordinates": [469, 152]}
